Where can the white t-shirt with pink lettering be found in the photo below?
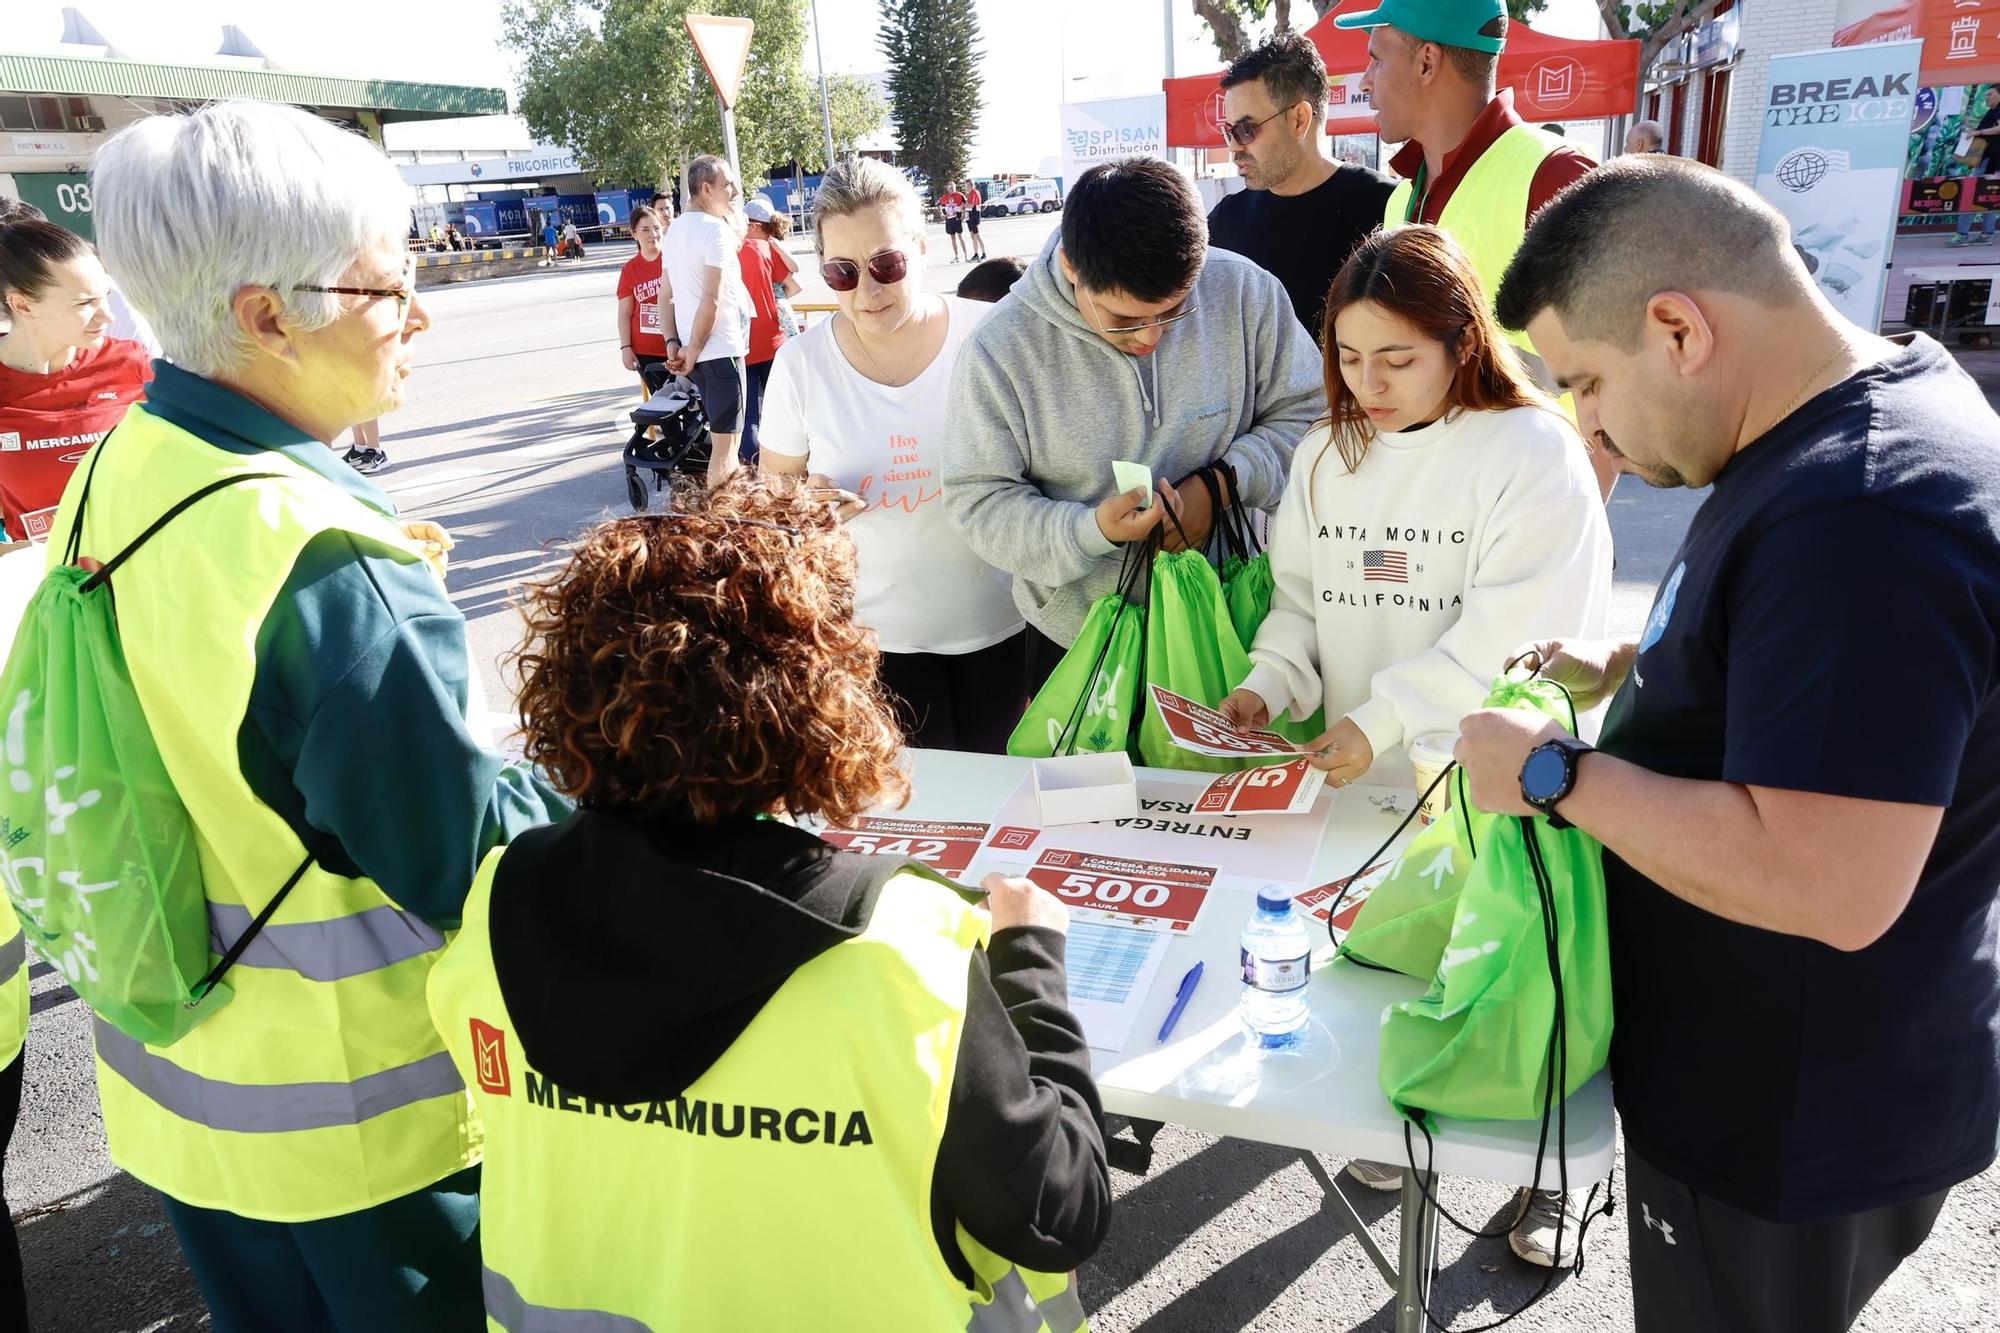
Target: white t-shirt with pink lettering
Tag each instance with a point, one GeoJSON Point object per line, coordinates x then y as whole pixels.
{"type": "Point", "coordinates": [921, 589]}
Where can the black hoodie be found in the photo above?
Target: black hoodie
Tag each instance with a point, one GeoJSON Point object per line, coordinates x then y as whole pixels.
{"type": "Point", "coordinates": [632, 953]}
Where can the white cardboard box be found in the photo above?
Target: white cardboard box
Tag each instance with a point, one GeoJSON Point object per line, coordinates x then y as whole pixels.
{"type": "Point", "coordinates": [1085, 788]}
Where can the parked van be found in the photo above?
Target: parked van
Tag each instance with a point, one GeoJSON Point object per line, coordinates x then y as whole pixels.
{"type": "Point", "coordinates": [1041, 195]}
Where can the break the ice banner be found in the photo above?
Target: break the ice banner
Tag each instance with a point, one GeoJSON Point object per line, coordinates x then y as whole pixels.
{"type": "Point", "coordinates": [1836, 134]}
{"type": "Point", "coordinates": [1106, 130]}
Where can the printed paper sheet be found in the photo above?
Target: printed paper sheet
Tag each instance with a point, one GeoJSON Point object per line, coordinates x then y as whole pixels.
{"type": "Point", "coordinates": [1111, 972]}
{"type": "Point", "coordinates": [1247, 850]}
{"type": "Point", "coordinates": [1199, 728]}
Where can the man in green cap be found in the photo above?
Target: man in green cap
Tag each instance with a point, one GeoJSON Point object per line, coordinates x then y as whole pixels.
{"type": "Point", "coordinates": [1473, 167]}
{"type": "Point", "coordinates": [1469, 163]}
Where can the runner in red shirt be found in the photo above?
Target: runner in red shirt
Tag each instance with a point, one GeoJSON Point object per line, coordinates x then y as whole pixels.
{"type": "Point", "coordinates": [768, 274]}
{"type": "Point", "coordinates": [952, 204]}
{"type": "Point", "coordinates": [642, 294]}
{"type": "Point", "coordinates": [63, 384]}
{"type": "Point", "coordinates": [974, 201]}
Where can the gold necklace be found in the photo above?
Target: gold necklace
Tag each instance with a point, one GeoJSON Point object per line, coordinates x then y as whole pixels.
{"type": "Point", "coordinates": [861, 345]}
{"type": "Point", "coordinates": [1806, 392]}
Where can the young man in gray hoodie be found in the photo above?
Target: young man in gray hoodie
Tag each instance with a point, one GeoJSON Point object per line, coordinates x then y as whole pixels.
{"type": "Point", "coordinates": [1128, 338]}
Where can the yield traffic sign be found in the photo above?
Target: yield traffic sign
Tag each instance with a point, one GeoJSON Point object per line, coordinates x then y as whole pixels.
{"type": "Point", "coordinates": [724, 47]}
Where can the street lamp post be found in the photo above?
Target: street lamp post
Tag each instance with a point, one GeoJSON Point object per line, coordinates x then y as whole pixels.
{"type": "Point", "coordinates": [825, 113]}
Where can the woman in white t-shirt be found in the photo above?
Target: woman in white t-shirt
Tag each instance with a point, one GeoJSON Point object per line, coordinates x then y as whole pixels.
{"type": "Point", "coordinates": [1444, 514]}
{"type": "Point", "coordinates": [857, 406]}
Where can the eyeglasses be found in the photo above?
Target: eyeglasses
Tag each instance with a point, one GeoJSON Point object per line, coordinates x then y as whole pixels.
{"type": "Point", "coordinates": [404, 294]}
{"type": "Point", "coordinates": [1172, 317]}
{"type": "Point", "coordinates": [844, 275]}
{"type": "Point", "coordinates": [1242, 133]}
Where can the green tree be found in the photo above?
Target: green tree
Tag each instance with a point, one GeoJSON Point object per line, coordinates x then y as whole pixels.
{"type": "Point", "coordinates": [618, 81]}
{"type": "Point", "coordinates": [934, 82]}
{"type": "Point", "coordinates": [1237, 25]}
{"type": "Point", "coordinates": [1653, 25]}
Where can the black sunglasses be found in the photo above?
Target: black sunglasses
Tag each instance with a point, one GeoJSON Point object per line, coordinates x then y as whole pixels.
{"type": "Point", "coordinates": [844, 275]}
{"type": "Point", "coordinates": [1242, 133]}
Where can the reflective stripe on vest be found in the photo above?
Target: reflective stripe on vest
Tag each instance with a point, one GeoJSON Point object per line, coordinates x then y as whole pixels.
{"type": "Point", "coordinates": [273, 1108]}
{"type": "Point", "coordinates": [13, 989]}
{"type": "Point", "coordinates": [322, 1089]}
{"type": "Point", "coordinates": [505, 1307]}
{"type": "Point", "coordinates": [347, 946]}
{"type": "Point", "coordinates": [1015, 1310]}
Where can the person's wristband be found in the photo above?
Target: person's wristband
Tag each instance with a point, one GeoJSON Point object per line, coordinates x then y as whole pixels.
{"type": "Point", "coordinates": [626, 346]}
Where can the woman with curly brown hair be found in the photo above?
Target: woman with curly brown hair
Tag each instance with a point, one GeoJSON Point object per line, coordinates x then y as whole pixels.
{"type": "Point", "coordinates": [729, 1076]}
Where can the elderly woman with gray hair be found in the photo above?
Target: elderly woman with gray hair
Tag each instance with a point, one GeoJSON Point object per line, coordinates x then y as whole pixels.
{"type": "Point", "coordinates": [858, 404]}
{"type": "Point", "coordinates": [294, 652]}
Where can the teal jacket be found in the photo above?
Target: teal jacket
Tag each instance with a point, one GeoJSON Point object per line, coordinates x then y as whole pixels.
{"type": "Point", "coordinates": [356, 731]}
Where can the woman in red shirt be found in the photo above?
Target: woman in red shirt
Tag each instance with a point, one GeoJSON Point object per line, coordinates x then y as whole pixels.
{"type": "Point", "coordinates": [768, 273]}
{"type": "Point", "coordinates": [63, 384]}
{"type": "Point", "coordinates": [642, 295]}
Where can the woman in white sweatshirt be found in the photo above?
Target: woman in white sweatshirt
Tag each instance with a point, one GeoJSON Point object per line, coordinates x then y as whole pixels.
{"type": "Point", "coordinates": [1443, 514]}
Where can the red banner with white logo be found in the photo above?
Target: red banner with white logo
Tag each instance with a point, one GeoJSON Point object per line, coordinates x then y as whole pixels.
{"type": "Point", "coordinates": [1553, 78]}
{"type": "Point", "coordinates": [1961, 37]}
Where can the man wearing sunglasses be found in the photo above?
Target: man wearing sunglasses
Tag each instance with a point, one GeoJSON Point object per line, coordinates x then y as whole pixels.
{"type": "Point", "coordinates": [1303, 213]}
{"type": "Point", "coordinates": [1127, 339]}
{"type": "Point", "coordinates": [708, 325]}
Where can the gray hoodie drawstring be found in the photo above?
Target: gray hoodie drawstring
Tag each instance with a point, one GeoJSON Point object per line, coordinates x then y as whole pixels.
{"type": "Point", "coordinates": [1149, 402]}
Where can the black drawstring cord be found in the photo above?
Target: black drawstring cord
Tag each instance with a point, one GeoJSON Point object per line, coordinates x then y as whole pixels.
{"type": "Point", "coordinates": [1555, 1094]}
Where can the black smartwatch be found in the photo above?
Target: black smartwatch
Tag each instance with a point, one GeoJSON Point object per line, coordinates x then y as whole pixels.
{"type": "Point", "coordinates": [1549, 775]}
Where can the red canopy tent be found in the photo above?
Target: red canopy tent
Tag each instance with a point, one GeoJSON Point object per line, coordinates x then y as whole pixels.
{"type": "Point", "coordinates": [1961, 38]}
{"type": "Point", "coordinates": [1553, 78]}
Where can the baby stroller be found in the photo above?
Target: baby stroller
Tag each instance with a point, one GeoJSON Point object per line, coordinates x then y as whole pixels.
{"type": "Point", "coordinates": [669, 434]}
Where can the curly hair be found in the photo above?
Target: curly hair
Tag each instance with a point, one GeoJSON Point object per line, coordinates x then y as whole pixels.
{"type": "Point", "coordinates": [706, 662]}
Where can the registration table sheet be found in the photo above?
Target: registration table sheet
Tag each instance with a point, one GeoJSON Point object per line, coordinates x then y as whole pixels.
{"type": "Point", "coordinates": [1321, 1096]}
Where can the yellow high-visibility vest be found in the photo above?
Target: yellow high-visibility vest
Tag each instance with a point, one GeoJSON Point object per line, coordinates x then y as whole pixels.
{"type": "Point", "coordinates": [13, 988]}
{"type": "Point", "coordinates": [322, 1088]}
{"type": "Point", "coordinates": [789, 1187]}
{"type": "Point", "coordinates": [1487, 213]}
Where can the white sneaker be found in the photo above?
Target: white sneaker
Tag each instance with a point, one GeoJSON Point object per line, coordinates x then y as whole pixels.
{"type": "Point", "coordinates": [1533, 1238]}
{"type": "Point", "coordinates": [1375, 1175]}
{"type": "Point", "coordinates": [1958, 239]}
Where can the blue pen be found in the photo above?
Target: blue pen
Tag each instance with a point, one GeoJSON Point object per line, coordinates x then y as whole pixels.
{"type": "Point", "coordinates": [1188, 984]}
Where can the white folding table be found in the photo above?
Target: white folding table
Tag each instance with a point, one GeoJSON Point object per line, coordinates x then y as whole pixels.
{"type": "Point", "coordinates": [1321, 1097]}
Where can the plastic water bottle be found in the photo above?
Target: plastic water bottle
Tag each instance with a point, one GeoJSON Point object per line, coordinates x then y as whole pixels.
{"type": "Point", "coordinates": [1277, 957]}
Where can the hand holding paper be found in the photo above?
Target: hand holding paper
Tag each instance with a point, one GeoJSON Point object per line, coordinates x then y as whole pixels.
{"type": "Point", "coordinates": [1129, 516]}
{"type": "Point", "coordinates": [1246, 710]}
{"type": "Point", "coordinates": [1343, 752]}
{"type": "Point", "coordinates": [1134, 477]}
{"type": "Point", "coordinates": [1199, 728]}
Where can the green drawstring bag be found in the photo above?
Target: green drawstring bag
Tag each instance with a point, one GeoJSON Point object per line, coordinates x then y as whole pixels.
{"type": "Point", "coordinates": [1247, 588]}
{"type": "Point", "coordinates": [1520, 985]}
{"type": "Point", "coordinates": [1086, 706]}
{"type": "Point", "coordinates": [1192, 650]}
{"type": "Point", "coordinates": [1406, 921]}
{"type": "Point", "coordinates": [97, 851]}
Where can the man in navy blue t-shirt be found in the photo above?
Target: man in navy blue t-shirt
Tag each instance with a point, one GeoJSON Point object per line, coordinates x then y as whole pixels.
{"type": "Point", "coordinates": [1798, 784]}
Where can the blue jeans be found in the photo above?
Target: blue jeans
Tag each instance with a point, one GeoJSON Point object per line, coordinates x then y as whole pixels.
{"type": "Point", "coordinates": [1986, 218]}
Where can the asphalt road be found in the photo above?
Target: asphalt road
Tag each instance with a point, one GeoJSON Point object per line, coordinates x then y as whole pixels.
{"type": "Point", "coordinates": [511, 440]}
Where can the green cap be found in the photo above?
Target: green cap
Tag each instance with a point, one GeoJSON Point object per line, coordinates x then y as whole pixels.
{"type": "Point", "coordinates": [1446, 22]}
